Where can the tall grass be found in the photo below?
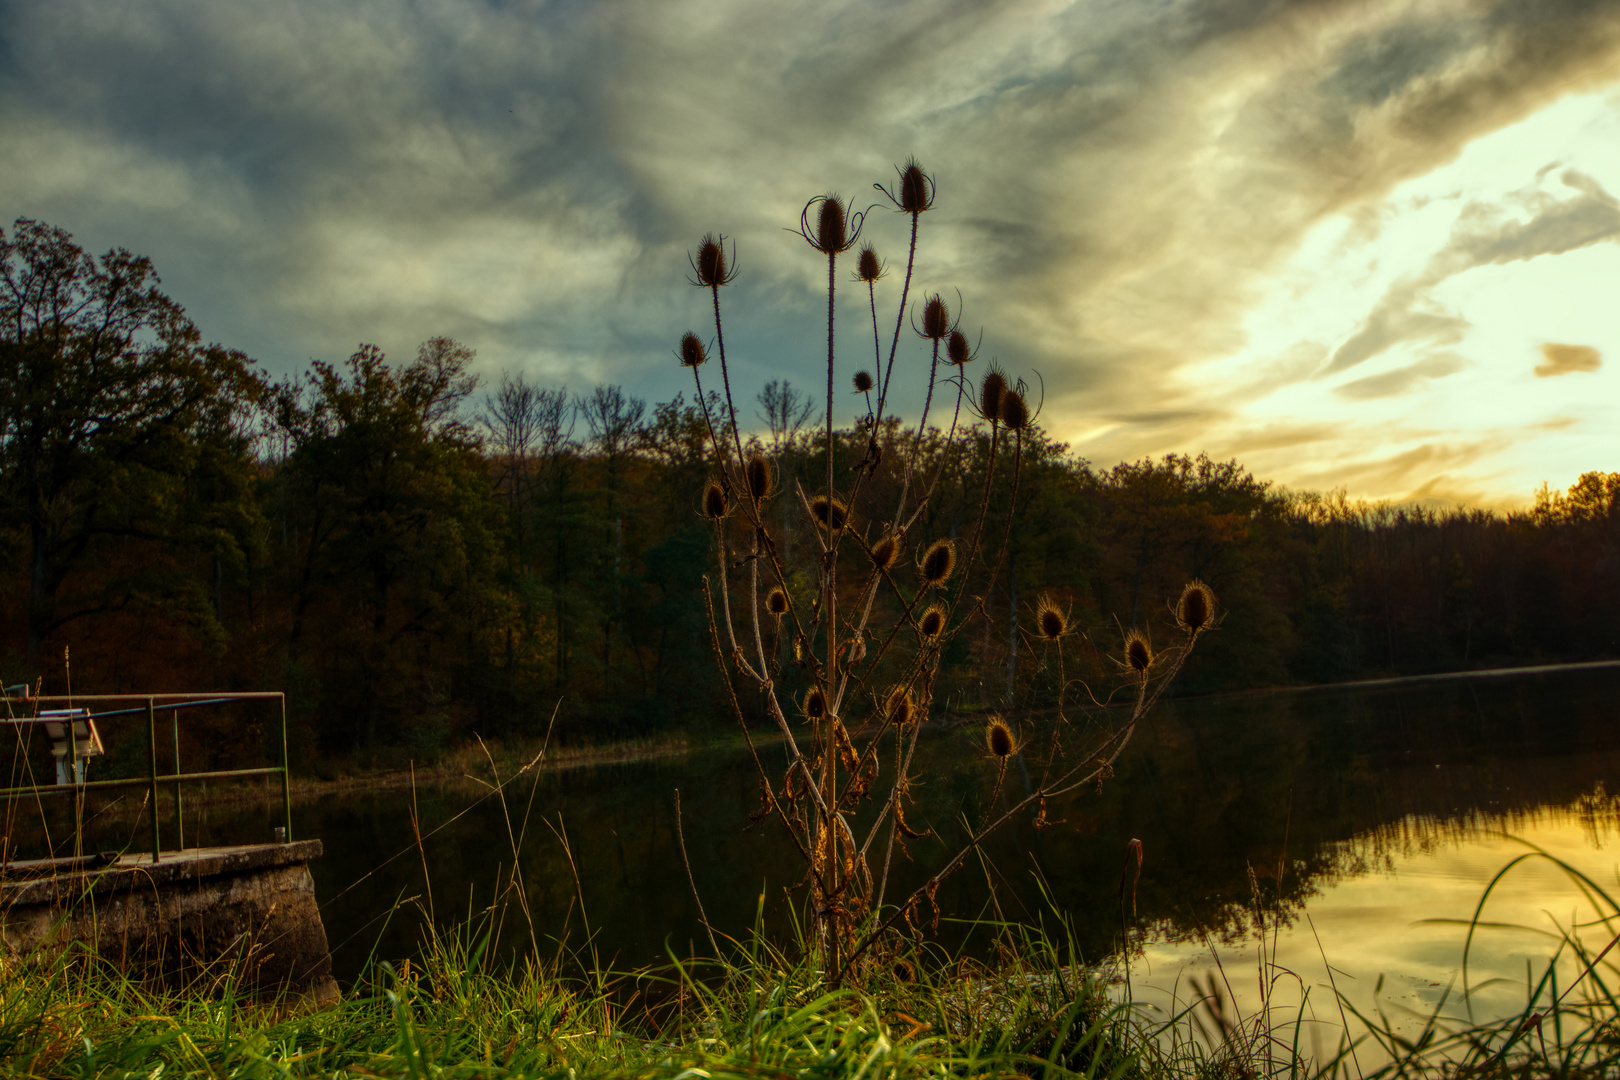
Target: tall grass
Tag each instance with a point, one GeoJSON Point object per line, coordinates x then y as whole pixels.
{"type": "Point", "coordinates": [455, 1012]}
{"type": "Point", "coordinates": [1033, 1009]}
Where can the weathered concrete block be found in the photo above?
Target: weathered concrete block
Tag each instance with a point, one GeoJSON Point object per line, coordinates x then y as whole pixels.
{"type": "Point", "coordinates": [195, 918]}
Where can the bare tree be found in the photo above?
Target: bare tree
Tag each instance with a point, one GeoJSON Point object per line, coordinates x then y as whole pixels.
{"type": "Point", "coordinates": [612, 417]}
{"type": "Point", "coordinates": [787, 410]}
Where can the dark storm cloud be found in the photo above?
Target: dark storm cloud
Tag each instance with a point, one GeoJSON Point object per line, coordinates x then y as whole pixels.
{"type": "Point", "coordinates": [1115, 178]}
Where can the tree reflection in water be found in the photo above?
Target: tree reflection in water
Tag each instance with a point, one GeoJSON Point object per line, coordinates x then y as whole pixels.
{"type": "Point", "coordinates": [1383, 795]}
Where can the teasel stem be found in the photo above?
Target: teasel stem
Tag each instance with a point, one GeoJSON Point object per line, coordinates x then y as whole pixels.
{"type": "Point", "coordinates": [900, 320]}
{"type": "Point", "coordinates": [877, 350]}
{"type": "Point", "coordinates": [714, 440]}
{"type": "Point", "coordinates": [894, 823]}
{"type": "Point", "coordinates": [1089, 771]}
{"type": "Point", "coordinates": [922, 427]}
{"type": "Point", "coordinates": [775, 707]}
{"type": "Point", "coordinates": [1012, 503]}
{"type": "Point", "coordinates": [736, 708]}
{"type": "Point", "coordinates": [725, 377]}
{"type": "Point", "coordinates": [956, 416]}
{"type": "Point", "coordinates": [725, 606]}
{"type": "Point", "coordinates": [830, 603]}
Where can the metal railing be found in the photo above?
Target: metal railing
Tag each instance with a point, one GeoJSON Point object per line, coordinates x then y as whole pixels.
{"type": "Point", "coordinates": [150, 705]}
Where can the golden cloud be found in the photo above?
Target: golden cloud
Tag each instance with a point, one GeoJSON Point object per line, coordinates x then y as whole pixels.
{"type": "Point", "coordinates": [1563, 359]}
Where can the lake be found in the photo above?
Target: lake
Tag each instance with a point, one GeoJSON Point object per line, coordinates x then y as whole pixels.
{"type": "Point", "coordinates": [1354, 813]}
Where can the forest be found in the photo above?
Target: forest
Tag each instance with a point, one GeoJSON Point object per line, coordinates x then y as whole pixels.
{"type": "Point", "coordinates": [418, 555]}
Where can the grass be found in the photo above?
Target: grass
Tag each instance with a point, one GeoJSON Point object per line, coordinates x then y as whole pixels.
{"type": "Point", "coordinates": [910, 1009]}
{"type": "Point", "coordinates": [1031, 1011]}
{"type": "Point", "coordinates": [453, 1014]}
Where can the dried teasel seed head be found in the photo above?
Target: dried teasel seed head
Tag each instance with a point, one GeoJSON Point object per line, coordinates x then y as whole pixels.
{"type": "Point", "coordinates": [815, 704]}
{"type": "Point", "coordinates": [916, 189]}
{"type": "Point", "coordinates": [931, 623]}
{"type": "Point", "coordinates": [1050, 622]}
{"type": "Point", "coordinates": [1138, 652]}
{"type": "Point", "coordinates": [710, 262]}
{"type": "Point", "coordinates": [938, 561]}
{"type": "Point", "coordinates": [832, 226]}
{"type": "Point", "coordinates": [1195, 611]}
{"type": "Point", "coordinates": [692, 351]}
{"type": "Point", "coordinates": [776, 601]}
{"type": "Point", "coordinates": [936, 319]}
{"type": "Point", "coordinates": [885, 551]}
{"type": "Point", "coordinates": [757, 474]}
{"type": "Point", "coordinates": [898, 707]}
{"type": "Point", "coordinates": [715, 503]}
{"type": "Point", "coordinates": [868, 267]}
{"type": "Point", "coordinates": [992, 388]}
{"type": "Point", "coordinates": [863, 382]}
{"type": "Point", "coordinates": [1014, 412]}
{"type": "Point", "coordinates": [956, 348]}
{"type": "Point", "coordinates": [998, 738]}
{"type": "Point", "coordinates": [829, 511]}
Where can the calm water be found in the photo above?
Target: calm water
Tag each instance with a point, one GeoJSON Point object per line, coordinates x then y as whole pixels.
{"type": "Point", "coordinates": [1378, 807]}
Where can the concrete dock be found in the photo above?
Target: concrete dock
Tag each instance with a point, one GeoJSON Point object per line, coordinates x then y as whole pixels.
{"type": "Point", "coordinates": [200, 918]}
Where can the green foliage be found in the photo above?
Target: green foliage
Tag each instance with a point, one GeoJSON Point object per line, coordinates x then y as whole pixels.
{"type": "Point", "coordinates": [392, 509]}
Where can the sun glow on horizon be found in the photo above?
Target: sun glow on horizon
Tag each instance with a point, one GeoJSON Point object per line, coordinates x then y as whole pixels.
{"type": "Point", "coordinates": [1401, 352]}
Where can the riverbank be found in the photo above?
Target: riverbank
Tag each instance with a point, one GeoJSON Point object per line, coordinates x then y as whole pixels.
{"type": "Point", "coordinates": [915, 1013]}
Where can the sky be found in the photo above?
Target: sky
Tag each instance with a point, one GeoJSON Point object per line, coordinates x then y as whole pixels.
{"type": "Point", "coordinates": [1358, 246]}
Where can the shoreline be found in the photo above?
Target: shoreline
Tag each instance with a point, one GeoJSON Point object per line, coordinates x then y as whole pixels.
{"type": "Point", "coordinates": [461, 768]}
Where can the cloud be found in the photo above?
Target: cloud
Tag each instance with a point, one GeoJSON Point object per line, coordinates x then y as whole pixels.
{"type": "Point", "coordinates": [1565, 359]}
{"type": "Point", "coordinates": [1402, 379]}
{"type": "Point", "coordinates": [1484, 235]}
{"type": "Point", "coordinates": [1118, 182]}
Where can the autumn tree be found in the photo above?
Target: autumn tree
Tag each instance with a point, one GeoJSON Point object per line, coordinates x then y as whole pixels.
{"type": "Point", "coordinates": [396, 517]}
{"type": "Point", "coordinates": [112, 411]}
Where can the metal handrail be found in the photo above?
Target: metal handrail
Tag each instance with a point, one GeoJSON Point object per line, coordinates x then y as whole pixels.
{"type": "Point", "coordinates": [175, 702]}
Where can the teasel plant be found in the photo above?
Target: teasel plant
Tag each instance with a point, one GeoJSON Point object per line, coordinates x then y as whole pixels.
{"type": "Point", "coordinates": [873, 670]}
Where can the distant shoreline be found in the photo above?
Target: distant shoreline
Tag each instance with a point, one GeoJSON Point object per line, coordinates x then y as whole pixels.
{"type": "Point", "coordinates": [1402, 680]}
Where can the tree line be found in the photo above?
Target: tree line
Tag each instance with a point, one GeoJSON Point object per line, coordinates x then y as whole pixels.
{"type": "Point", "coordinates": [417, 557]}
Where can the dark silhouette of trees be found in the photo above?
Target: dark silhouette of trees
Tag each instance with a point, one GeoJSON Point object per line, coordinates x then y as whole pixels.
{"type": "Point", "coordinates": [415, 563]}
{"type": "Point", "coordinates": [119, 432]}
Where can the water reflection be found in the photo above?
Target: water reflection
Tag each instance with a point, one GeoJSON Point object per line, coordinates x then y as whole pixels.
{"type": "Point", "coordinates": [1391, 918]}
{"type": "Point", "coordinates": [1333, 798]}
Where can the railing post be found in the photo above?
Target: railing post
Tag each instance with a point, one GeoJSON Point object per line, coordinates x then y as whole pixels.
{"type": "Point", "coordinates": [179, 809]}
{"type": "Point", "coordinates": [151, 761]}
{"type": "Point", "coordinates": [73, 778]}
{"type": "Point", "coordinates": [286, 784]}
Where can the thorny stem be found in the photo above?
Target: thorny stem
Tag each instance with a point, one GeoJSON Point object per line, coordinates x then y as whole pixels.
{"type": "Point", "coordinates": [725, 605]}
{"type": "Point", "coordinates": [877, 345]}
{"type": "Point", "coordinates": [703, 403]}
{"type": "Point", "coordinates": [956, 415]}
{"type": "Point", "coordinates": [736, 708]}
{"type": "Point", "coordinates": [1107, 754]}
{"type": "Point", "coordinates": [725, 376]}
{"type": "Point", "coordinates": [922, 428]}
{"type": "Point", "coordinates": [894, 825]}
{"type": "Point", "coordinates": [900, 320]}
{"type": "Point", "coordinates": [829, 607]}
